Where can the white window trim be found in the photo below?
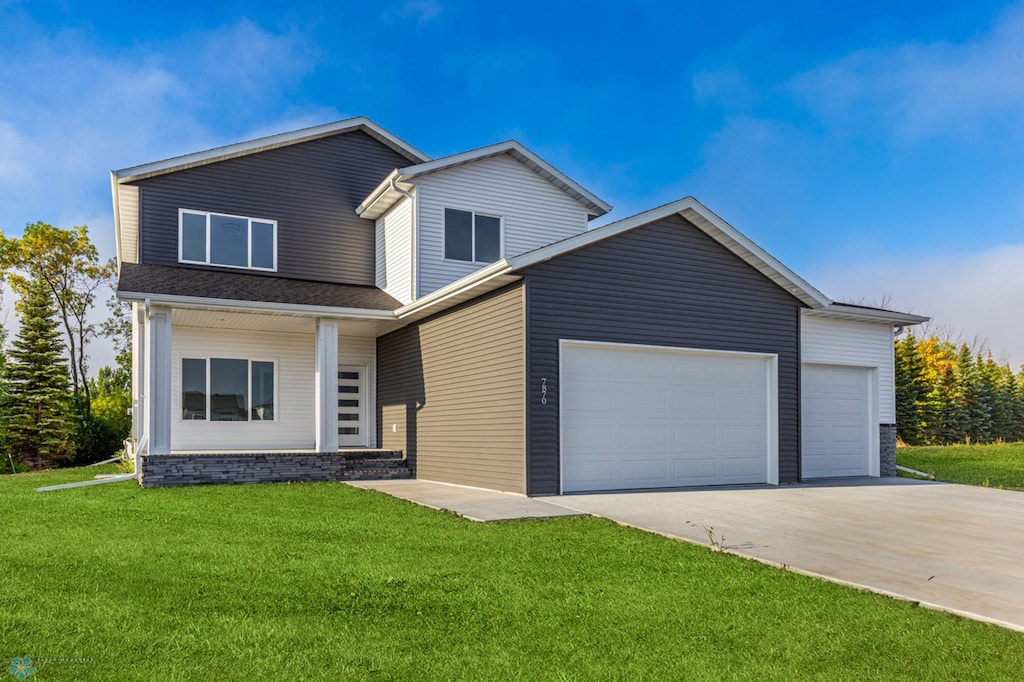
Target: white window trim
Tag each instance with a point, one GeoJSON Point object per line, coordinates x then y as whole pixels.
{"type": "Point", "coordinates": [249, 220]}
{"type": "Point", "coordinates": [444, 235]}
{"type": "Point", "coordinates": [250, 420]}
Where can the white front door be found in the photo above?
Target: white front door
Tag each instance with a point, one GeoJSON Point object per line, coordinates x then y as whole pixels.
{"type": "Point", "coordinates": [835, 421]}
{"type": "Point", "coordinates": [351, 406]}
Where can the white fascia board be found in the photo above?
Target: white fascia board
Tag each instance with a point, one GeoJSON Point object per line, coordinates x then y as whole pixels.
{"type": "Point", "coordinates": [839, 311]}
{"type": "Point", "coordinates": [592, 202]}
{"type": "Point", "coordinates": [473, 283]}
{"type": "Point", "coordinates": [383, 196]}
{"type": "Point", "coordinates": [737, 242]}
{"type": "Point", "coordinates": [257, 306]}
{"type": "Point", "coordinates": [117, 220]}
{"type": "Point", "coordinates": [147, 170]}
{"type": "Point", "coordinates": [705, 220]}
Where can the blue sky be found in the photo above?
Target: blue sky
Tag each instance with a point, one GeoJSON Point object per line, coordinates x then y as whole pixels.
{"type": "Point", "coordinates": [876, 149]}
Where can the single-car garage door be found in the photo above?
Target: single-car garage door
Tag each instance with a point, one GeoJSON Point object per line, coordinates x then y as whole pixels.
{"type": "Point", "coordinates": [835, 421]}
{"type": "Point", "coordinates": [639, 417]}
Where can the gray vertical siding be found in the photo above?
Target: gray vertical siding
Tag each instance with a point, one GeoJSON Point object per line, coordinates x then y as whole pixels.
{"type": "Point", "coordinates": [665, 284]}
{"type": "Point", "coordinates": [312, 189]}
{"type": "Point", "coordinates": [451, 394]}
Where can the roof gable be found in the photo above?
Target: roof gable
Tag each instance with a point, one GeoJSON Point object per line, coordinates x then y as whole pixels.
{"type": "Point", "coordinates": [148, 170]}
{"type": "Point", "coordinates": [704, 219]}
{"type": "Point", "coordinates": [402, 180]}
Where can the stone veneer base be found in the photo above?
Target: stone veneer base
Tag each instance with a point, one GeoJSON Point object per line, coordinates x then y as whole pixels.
{"type": "Point", "coordinates": [887, 449]}
{"type": "Point", "coordinates": [277, 467]}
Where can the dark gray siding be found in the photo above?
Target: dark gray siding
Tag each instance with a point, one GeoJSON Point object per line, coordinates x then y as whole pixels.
{"type": "Point", "coordinates": [312, 189]}
{"type": "Point", "coordinates": [665, 284]}
{"type": "Point", "coordinates": [451, 394]}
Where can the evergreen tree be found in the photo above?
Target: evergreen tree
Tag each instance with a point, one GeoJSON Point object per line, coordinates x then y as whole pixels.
{"type": "Point", "coordinates": [1016, 411]}
{"type": "Point", "coordinates": [982, 408]}
{"type": "Point", "coordinates": [1002, 399]}
{"type": "Point", "coordinates": [911, 388]}
{"type": "Point", "coordinates": [948, 408]}
{"type": "Point", "coordinates": [36, 409]}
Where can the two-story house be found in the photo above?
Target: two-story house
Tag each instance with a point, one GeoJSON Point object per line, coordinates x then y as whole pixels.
{"type": "Point", "coordinates": [301, 300]}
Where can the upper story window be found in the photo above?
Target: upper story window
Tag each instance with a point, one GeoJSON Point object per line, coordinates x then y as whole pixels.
{"type": "Point", "coordinates": [234, 241]}
{"type": "Point", "coordinates": [471, 237]}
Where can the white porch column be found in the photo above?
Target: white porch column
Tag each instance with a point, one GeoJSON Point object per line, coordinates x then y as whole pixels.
{"type": "Point", "coordinates": [139, 405]}
{"type": "Point", "coordinates": [158, 380]}
{"type": "Point", "coordinates": [326, 386]}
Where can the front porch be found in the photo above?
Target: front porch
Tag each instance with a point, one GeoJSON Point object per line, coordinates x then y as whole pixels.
{"type": "Point", "coordinates": [195, 468]}
{"type": "Point", "coordinates": [242, 397]}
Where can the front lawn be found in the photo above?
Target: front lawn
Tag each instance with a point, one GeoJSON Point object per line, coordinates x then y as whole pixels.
{"type": "Point", "coordinates": [324, 581]}
{"type": "Point", "coordinates": [998, 466]}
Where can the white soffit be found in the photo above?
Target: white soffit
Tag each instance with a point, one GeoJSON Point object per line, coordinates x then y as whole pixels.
{"type": "Point", "coordinates": [855, 313]}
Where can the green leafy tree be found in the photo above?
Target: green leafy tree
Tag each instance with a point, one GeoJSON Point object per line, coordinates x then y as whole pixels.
{"type": "Point", "coordinates": [36, 414]}
{"type": "Point", "coordinates": [118, 328]}
{"type": "Point", "coordinates": [68, 262]}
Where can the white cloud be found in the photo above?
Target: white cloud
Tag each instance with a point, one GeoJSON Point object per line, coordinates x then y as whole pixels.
{"type": "Point", "coordinates": [727, 87]}
{"type": "Point", "coordinates": [70, 112]}
{"type": "Point", "coordinates": [16, 152]}
{"type": "Point", "coordinates": [918, 90]}
{"type": "Point", "coordinates": [420, 11]}
{"type": "Point", "coordinates": [974, 294]}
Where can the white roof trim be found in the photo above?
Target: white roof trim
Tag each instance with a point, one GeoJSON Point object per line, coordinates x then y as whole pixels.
{"type": "Point", "coordinates": [706, 220]}
{"type": "Point", "coordinates": [230, 151]}
{"type": "Point", "coordinates": [261, 306]}
{"type": "Point", "coordinates": [485, 279]}
{"type": "Point", "coordinates": [381, 196]}
{"type": "Point", "coordinates": [840, 311]}
{"type": "Point", "coordinates": [117, 220]}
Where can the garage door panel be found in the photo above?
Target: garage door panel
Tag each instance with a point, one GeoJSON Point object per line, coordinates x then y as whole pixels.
{"type": "Point", "coordinates": [644, 470]}
{"type": "Point", "coordinates": [742, 437]}
{"type": "Point", "coordinates": [675, 418]}
{"type": "Point", "coordinates": [653, 401]}
{"type": "Point", "coordinates": [696, 468]}
{"type": "Point", "coordinates": [695, 404]}
{"type": "Point", "coordinates": [591, 474]}
{"type": "Point", "coordinates": [641, 435]}
{"type": "Point", "coordinates": [744, 467]}
{"type": "Point", "coordinates": [696, 438]}
{"type": "Point", "coordinates": [835, 421]}
{"type": "Point", "coordinates": [591, 434]}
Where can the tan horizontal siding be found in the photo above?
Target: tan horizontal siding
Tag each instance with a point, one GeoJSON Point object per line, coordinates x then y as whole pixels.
{"type": "Point", "coordinates": [451, 393]}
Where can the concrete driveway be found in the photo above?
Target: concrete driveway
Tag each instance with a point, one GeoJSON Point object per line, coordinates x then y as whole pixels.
{"type": "Point", "coordinates": [954, 547]}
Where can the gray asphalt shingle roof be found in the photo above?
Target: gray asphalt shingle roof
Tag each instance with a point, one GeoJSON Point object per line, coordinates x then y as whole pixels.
{"type": "Point", "coordinates": [179, 281]}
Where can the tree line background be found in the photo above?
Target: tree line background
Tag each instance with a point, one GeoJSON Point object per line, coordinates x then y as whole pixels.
{"type": "Point", "coordinates": [51, 412]}
{"type": "Point", "coordinates": [949, 392]}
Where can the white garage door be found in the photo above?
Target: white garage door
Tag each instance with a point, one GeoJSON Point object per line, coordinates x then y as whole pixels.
{"type": "Point", "coordinates": [835, 425]}
{"type": "Point", "coordinates": [642, 418]}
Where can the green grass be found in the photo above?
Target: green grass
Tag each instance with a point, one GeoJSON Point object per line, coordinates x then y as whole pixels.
{"type": "Point", "coordinates": [324, 581]}
{"type": "Point", "coordinates": [998, 466]}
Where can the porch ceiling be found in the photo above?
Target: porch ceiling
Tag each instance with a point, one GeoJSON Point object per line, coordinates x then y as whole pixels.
{"type": "Point", "coordinates": [290, 324]}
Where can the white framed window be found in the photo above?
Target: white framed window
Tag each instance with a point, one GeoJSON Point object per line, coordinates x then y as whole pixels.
{"type": "Point", "coordinates": [228, 390]}
{"type": "Point", "coordinates": [472, 237]}
{"type": "Point", "coordinates": [228, 240]}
